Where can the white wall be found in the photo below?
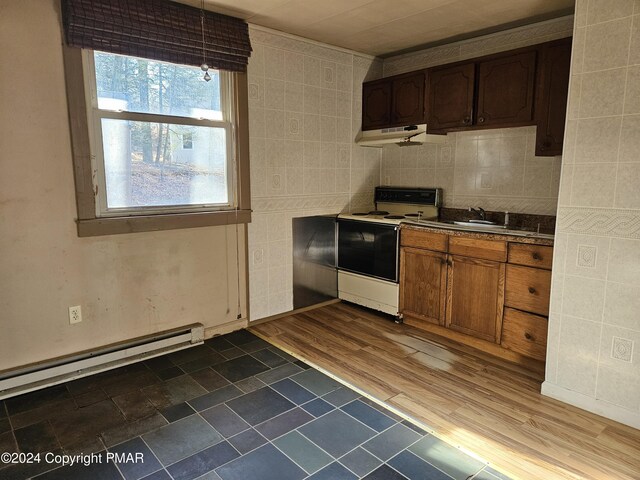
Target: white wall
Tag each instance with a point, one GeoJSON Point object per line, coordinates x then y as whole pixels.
{"type": "Point", "coordinates": [593, 358]}
{"type": "Point", "coordinates": [304, 110]}
{"type": "Point", "coordinates": [128, 285]}
{"type": "Point", "coordinates": [496, 169]}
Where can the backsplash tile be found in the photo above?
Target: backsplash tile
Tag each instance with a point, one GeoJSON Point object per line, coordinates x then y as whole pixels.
{"type": "Point", "coordinates": [494, 169]}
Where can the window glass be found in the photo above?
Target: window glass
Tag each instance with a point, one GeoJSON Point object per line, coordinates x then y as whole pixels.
{"type": "Point", "coordinates": [145, 86]}
{"type": "Point", "coordinates": [162, 132]}
{"type": "Point", "coordinates": [146, 164]}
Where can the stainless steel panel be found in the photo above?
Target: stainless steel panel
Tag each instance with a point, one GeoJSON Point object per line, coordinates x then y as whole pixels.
{"type": "Point", "coordinates": [315, 278]}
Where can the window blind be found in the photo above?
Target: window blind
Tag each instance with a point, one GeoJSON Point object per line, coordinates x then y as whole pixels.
{"type": "Point", "coordinates": [159, 30]}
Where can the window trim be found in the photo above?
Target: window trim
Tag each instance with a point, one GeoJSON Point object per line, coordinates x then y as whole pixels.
{"type": "Point", "coordinates": [89, 224]}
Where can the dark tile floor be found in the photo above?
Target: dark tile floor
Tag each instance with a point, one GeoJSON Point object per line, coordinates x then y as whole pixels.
{"type": "Point", "coordinates": [235, 408]}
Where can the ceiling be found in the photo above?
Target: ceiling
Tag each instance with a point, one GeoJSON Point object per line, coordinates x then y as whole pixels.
{"type": "Point", "coordinates": [382, 27]}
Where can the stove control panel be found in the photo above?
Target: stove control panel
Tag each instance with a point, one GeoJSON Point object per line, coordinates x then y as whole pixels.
{"type": "Point", "coordinates": [414, 196]}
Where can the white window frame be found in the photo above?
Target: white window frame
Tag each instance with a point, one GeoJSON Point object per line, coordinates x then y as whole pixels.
{"type": "Point", "coordinates": [95, 116]}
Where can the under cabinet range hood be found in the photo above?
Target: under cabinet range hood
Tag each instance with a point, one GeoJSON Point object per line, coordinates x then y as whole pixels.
{"type": "Point", "coordinates": [401, 136]}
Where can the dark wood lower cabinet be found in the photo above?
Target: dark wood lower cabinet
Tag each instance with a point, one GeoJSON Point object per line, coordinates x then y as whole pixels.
{"type": "Point", "coordinates": [492, 294]}
{"type": "Point", "coordinates": [423, 284]}
{"type": "Point", "coordinates": [475, 297]}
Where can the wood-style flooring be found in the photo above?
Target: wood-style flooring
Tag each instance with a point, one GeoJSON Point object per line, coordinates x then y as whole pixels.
{"type": "Point", "coordinates": [484, 405]}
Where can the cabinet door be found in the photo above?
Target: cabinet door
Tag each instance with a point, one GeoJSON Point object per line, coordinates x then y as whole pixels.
{"type": "Point", "coordinates": [450, 104]}
{"type": "Point", "coordinates": [407, 103]}
{"type": "Point", "coordinates": [505, 90]}
{"type": "Point", "coordinates": [423, 283]}
{"type": "Point", "coordinates": [551, 97]}
{"type": "Point", "coordinates": [376, 104]}
{"type": "Point", "coordinates": [475, 297]}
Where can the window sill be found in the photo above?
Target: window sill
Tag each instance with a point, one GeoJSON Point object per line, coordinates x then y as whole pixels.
{"type": "Point", "coordinates": [150, 223]}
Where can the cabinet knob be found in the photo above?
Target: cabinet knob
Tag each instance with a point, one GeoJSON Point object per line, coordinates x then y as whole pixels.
{"type": "Point", "coordinates": [466, 120]}
{"type": "Point", "coordinates": [528, 336]}
{"type": "Point", "coordinates": [532, 290]}
{"type": "Point", "coordinates": [536, 256]}
{"type": "Point", "coordinates": [480, 119]}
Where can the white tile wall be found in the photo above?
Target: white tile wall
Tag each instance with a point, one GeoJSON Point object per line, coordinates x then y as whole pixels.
{"type": "Point", "coordinates": [494, 169]}
{"type": "Point", "coordinates": [596, 277]}
{"type": "Point", "coordinates": [304, 112]}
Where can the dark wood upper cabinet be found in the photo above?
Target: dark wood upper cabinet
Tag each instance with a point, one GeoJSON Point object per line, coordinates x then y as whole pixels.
{"type": "Point", "coordinates": [551, 96]}
{"type": "Point", "coordinates": [407, 99]}
{"type": "Point", "coordinates": [376, 104]}
{"type": "Point", "coordinates": [506, 90]}
{"type": "Point", "coordinates": [527, 86]}
{"type": "Point", "coordinates": [394, 101]}
{"type": "Point", "coordinates": [450, 97]}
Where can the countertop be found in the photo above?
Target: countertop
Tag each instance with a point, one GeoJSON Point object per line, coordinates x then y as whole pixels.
{"type": "Point", "coordinates": [518, 236]}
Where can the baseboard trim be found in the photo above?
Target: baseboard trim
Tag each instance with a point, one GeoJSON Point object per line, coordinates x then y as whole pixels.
{"type": "Point", "coordinates": [293, 312]}
{"type": "Point", "coordinates": [593, 405]}
{"type": "Point", "coordinates": [228, 327]}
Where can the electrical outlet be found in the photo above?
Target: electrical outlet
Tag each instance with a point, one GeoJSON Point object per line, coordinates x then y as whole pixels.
{"type": "Point", "coordinates": [75, 314]}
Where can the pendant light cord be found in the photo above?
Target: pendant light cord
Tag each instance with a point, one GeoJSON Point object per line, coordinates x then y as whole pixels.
{"type": "Point", "coordinates": [204, 67]}
{"type": "Point", "coordinates": [204, 51]}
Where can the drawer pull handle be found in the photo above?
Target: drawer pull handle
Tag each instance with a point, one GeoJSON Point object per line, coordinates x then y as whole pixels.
{"type": "Point", "coordinates": [532, 290]}
{"type": "Point", "coordinates": [536, 256]}
{"type": "Point", "coordinates": [480, 119]}
{"type": "Point", "coordinates": [528, 336]}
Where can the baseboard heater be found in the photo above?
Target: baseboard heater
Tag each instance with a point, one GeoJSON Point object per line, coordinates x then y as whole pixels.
{"type": "Point", "coordinates": [63, 369]}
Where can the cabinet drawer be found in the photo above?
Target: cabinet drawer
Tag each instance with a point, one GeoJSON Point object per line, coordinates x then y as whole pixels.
{"type": "Point", "coordinates": [531, 255]}
{"type": "Point", "coordinates": [528, 289]}
{"type": "Point", "coordinates": [428, 240]}
{"type": "Point", "coordinates": [476, 248]}
{"type": "Point", "coordinates": [524, 333]}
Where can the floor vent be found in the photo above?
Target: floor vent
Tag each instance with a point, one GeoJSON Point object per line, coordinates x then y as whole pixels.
{"type": "Point", "coordinates": [59, 370]}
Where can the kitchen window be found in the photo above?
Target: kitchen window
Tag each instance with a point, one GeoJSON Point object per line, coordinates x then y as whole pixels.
{"type": "Point", "coordinates": [143, 115]}
{"type": "Point", "coordinates": [158, 110]}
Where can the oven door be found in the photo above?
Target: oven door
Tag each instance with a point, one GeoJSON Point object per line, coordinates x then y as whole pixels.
{"type": "Point", "coordinates": [368, 248]}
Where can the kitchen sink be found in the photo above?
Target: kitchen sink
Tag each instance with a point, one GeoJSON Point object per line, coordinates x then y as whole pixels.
{"type": "Point", "coordinates": [476, 224]}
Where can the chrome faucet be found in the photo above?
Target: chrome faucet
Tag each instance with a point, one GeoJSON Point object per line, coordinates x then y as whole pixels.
{"type": "Point", "coordinates": [480, 212]}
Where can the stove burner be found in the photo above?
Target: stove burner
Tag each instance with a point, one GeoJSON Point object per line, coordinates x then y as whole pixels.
{"type": "Point", "coordinates": [412, 215]}
{"type": "Point", "coordinates": [359, 214]}
{"type": "Point", "coordinates": [378, 212]}
{"type": "Point", "coordinates": [394, 217]}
